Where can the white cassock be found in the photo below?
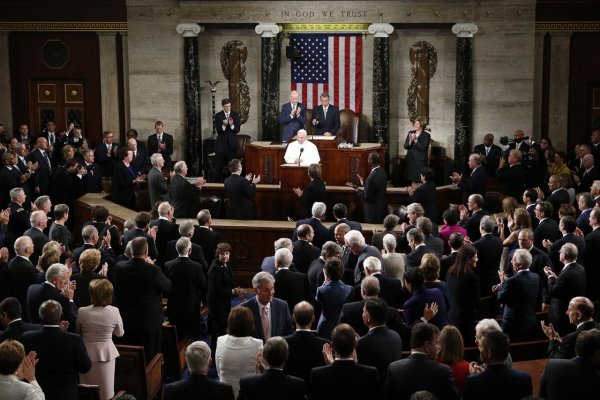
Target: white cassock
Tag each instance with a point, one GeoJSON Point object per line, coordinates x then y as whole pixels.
{"type": "Point", "coordinates": [310, 155]}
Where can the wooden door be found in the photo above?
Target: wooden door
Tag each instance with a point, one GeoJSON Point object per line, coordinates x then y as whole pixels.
{"type": "Point", "coordinates": [61, 101]}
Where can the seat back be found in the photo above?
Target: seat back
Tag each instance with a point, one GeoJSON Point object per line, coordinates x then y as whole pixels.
{"type": "Point", "coordinates": [134, 376]}
{"type": "Point", "coordinates": [174, 352]}
{"type": "Point", "coordinates": [348, 126]}
{"type": "Point", "coordinates": [88, 392]}
{"type": "Point", "coordinates": [142, 200]}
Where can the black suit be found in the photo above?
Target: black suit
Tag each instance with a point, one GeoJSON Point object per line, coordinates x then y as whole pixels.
{"type": "Point", "coordinates": [426, 196]}
{"type": "Point", "coordinates": [570, 379]}
{"type": "Point", "coordinates": [374, 195]}
{"type": "Point", "coordinates": [418, 372]}
{"type": "Point", "coordinates": [21, 275]}
{"type": "Point", "coordinates": [320, 231]}
{"type": "Point", "coordinates": [226, 146]}
{"type": "Point", "coordinates": [92, 181]}
{"type": "Point", "coordinates": [167, 231]}
{"type": "Point", "coordinates": [471, 224]}
{"type": "Point", "coordinates": [82, 290]}
{"type": "Point", "coordinates": [61, 358]}
{"type": "Point", "coordinates": [390, 289]}
{"type": "Point", "coordinates": [519, 295]}
{"type": "Point", "coordinates": [379, 348]}
{"type": "Point", "coordinates": [489, 251]}
{"type": "Point", "coordinates": [123, 188]}
{"type": "Point", "coordinates": [344, 379]}
{"type": "Point", "coordinates": [305, 353]}
{"type": "Point", "coordinates": [546, 229]}
{"type": "Point", "coordinates": [326, 123]}
{"type": "Point", "coordinates": [208, 240]}
{"type": "Point", "coordinates": [492, 160]}
{"type": "Point", "coordinates": [586, 178]}
{"type": "Point", "coordinates": [141, 160]}
{"type": "Point", "coordinates": [354, 225]}
{"type": "Point", "coordinates": [167, 152]}
{"type": "Point", "coordinates": [44, 172]}
{"type": "Point", "coordinates": [240, 193]}
{"type": "Point", "coordinates": [413, 259]}
{"type": "Point", "coordinates": [304, 254]}
{"type": "Point", "coordinates": [464, 303]}
{"type": "Point", "coordinates": [106, 160]}
{"type": "Point", "coordinates": [352, 315]}
{"type": "Point", "coordinates": [569, 283]}
{"type": "Point", "coordinates": [314, 191]}
{"type": "Point", "coordinates": [475, 184]}
{"type": "Point", "coordinates": [512, 180]}
{"type": "Point", "coordinates": [188, 280]}
{"type": "Point", "coordinates": [16, 329]}
{"type": "Point", "coordinates": [106, 256]}
{"type": "Point", "coordinates": [592, 269]}
{"type": "Point", "coordinates": [136, 233]}
{"type": "Point", "coordinates": [553, 251]}
{"type": "Point", "coordinates": [292, 287]}
{"type": "Point", "coordinates": [498, 382]}
{"type": "Point", "coordinates": [37, 294]}
{"type": "Point", "coordinates": [198, 383]}
{"type": "Point", "coordinates": [9, 179]}
{"type": "Point", "coordinates": [281, 320]}
{"type": "Point", "coordinates": [68, 187]}
{"type": "Point", "coordinates": [557, 198]}
{"type": "Point", "coordinates": [184, 197]}
{"type": "Point", "coordinates": [218, 297]}
{"type": "Point", "coordinates": [196, 255]}
{"type": "Point", "coordinates": [138, 289]}
{"type": "Point", "coordinates": [566, 349]}
{"type": "Point", "coordinates": [39, 240]}
{"type": "Point", "coordinates": [273, 384]}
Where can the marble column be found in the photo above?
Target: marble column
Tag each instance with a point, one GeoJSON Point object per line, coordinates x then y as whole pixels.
{"type": "Point", "coordinates": [381, 80]}
{"type": "Point", "coordinates": [463, 112]}
{"type": "Point", "coordinates": [270, 80]}
{"type": "Point", "coordinates": [191, 93]}
{"type": "Point", "coordinates": [5, 88]}
{"type": "Point", "coordinates": [109, 80]}
{"type": "Point", "coordinates": [558, 98]}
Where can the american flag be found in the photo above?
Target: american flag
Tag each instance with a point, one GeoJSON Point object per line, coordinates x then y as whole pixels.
{"type": "Point", "coordinates": [329, 63]}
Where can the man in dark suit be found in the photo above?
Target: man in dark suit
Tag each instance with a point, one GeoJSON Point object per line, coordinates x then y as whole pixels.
{"type": "Point", "coordinates": [43, 174]}
{"type": "Point", "coordinates": [316, 277]}
{"type": "Point", "coordinates": [292, 287]}
{"type": "Point", "coordinates": [380, 346]}
{"type": "Point", "coordinates": [321, 234]}
{"type": "Point", "coordinates": [540, 260]}
{"type": "Point", "coordinates": [512, 177]}
{"type": "Point", "coordinates": [186, 230]}
{"type": "Point", "coordinates": [11, 177]}
{"type": "Point", "coordinates": [271, 315]}
{"type": "Point", "coordinates": [198, 360]}
{"type": "Point", "coordinates": [158, 187]}
{"type": "Point", "coordinates": [305, 347]}
{"type": "Point", "coordinates": [577, 378]}
{"type": "Point", "coordinates": [547, 228]}
{"type": "Point", "coordinates": [227, 125]}
{"type": "Point", "coordinates": [569, 283]}
{"type": "Point", "coordinates": [142, 222]}
{"type": "Point", "coordinates": [188, 280]}
{"type": "Point", "coordinates": [106, 154]}
{"type": "Point", "coordinates": [476, 183]}
{"type": "Point", "coordinates": [519, 294]}
{"type": "Point", "coordinates": [184, 195]}
{"type": "Point", "coordinates": [490, 154]}
{"type": "Point", "coordinates": [21, 272]}
{"type": "Point", "coordinates": [489, 252]}
{"type": "Point", "coordinates": [585, 203]}
{"type": "Point", "coordinates": [11, 317]}
{"type": "Point", "coordinates": [340, 212]}
{"type": "Point", "coordinates": [374, 191]}
{"type": "Point", "coordinates": [138, 289]}
{"type": "Point", "coordinates": [167, 230]}
{"type": "Point", "coordinates": [89, 234]}
{"type": "Point", "coordinates": [57, 288]}
{"type": "Point", "coordinates": [587, 175]}
{"type": "Point", "coordinates": [558, 194]}
{"type": "Point", "coordinates": [292, 117]}
{"type": "Point", "coordinates": [273, 383]}
{"type": "Point", "coordinates": [240, 191]}
{"type": "Point", "coordinates": [519, 142]}
{"type": "Point", "coordinates": [326, 117]}
{"type": "Point", "coordinates": [343, 378]}
{"type": "Point", "coordinates": [416, 241]}
{"type": "Point", "coordinates": [567, 227]}
{"type": "Point", "coordinates": [591, 257]}
{"type": "Point", "coordinates": [18, 222]}
{"type": "Point", "coordinates": [390, 288]}
{"type": "Point", "coordinates": [471, 215]}
{"type": "Point", "coordinates": [530, 197]}
{"type": "Point", "coordinates": [92, 180]}
{"type": "Point", "coordinates": [205, 236]}
{"type": "Point", "coordinates": [161, 142]}
{"type": "Point", "coordinates": [62, 356]}
{"type": "Point", "coordinates": [304, 252]}
{"type": "Point", "coordinates": [581, 315]}
{"type": "Point", "coordinates": [23, 134]}
{"type": "Point", "coordinates": [497, 381]}
{"type": "Point", "coordinates": [420, 371]}
{"type": "Point", "coordinates": [355, 242]}
{"type": "Point", "coordinates": [39, 222]}
{"type": "Point", "coordinates": [140, 161]}
{"type": "Point", "coordinates": [415, 306]}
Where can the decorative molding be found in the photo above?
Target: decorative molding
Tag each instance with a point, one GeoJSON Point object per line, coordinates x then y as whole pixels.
{"type": "Point", "coordinates": [567, 26]}
{"type": "Point", "coordinates": [464, 30]}
{"type": "Point", "coordinates": [63, 26]}
{"type": "Point", "coordinates": [354, 28]}
{"type": "Point", "coordinates": [381, 29]}
{"type": "Point", "coordinates": [267, 30]}
{"type": "Point", "coordinates": [189, 30]}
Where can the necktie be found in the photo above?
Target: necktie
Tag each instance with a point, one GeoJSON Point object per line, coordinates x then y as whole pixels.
{"type": "Point", "coordinates": [325, 113]}
{"type": "Point", "coordinates": [159, 137]}
{"type": "Point", "coordinates": [264, 319]}
{"type": "Point", "coordinates": [227, 116]}
{"type": "Point", "coordinates": [108, 148]}
{"type": "Point", "coordinates": [51, 138]}
{"type": "Point", "coordinates": [47, 160]}
{"type": "Point", "coordinates": [487, 151]}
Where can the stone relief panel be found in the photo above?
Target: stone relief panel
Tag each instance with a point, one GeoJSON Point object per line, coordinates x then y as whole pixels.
{"type": "Point", "coordinates": [233, 63]}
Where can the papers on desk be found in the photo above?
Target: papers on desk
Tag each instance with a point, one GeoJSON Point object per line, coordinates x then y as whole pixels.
{"type": "Point", "coordinates": [321, 137]}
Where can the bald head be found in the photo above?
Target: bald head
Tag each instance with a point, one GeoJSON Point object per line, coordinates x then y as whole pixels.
{"type": "Point", "coordinates": [24, 246]}
{"type": "Point", "coordinates": [304, 315]}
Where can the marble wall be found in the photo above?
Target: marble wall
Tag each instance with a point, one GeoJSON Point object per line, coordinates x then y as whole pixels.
{"type": "Point", "coordinates": [503, 59]}
{"type": "Point", "coordinates": [6, 117]}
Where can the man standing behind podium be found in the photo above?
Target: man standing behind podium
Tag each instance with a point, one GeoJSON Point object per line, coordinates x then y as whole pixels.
{"type": "Point", "coordinates": [293, 117]}
{"type": "Point", "coordinates": [227, 125]}
{"type": "Point", "coordinates": [301, 151]}
{"type": "Point", "coordinates": [326, 117]}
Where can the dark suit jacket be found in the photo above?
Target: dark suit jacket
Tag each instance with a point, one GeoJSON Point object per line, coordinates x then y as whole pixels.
{"type": "Point", "coordinates": [9, 179]}
{"type": "Point", "coordinates": [167, 231]}
{"type": "Point", "coordinates": [569, 283]}
{"type": "Point", "coordinates": [352, 315]}
{"type": "Point", "coordinates": [354, 225]}
{"type": "Point", "coordinates": [586, 179]}
{"type": "Point", "coordinates": [321, 232]}
{"type": "Point", "coordinates": [68, 187]}
{"type": "Point", "coordinates": [141, 160]}
{"type": "Point", "coordinates": [491, 160]}
{"type": "Point", "coordinates": [471, 224]}
{"type": "Point", "coordinates": [499, 382]}
{"type": "Point", "coordinates": [138, 289]}
{"type": "Point", "coordinates": [418, 372]}
{"type": "Point", "coordinates": [374, 196]}
{"type": "Point", "coordinates": [476, 183]}
{"type": "Point", "coordinates": [566, 349]}
{"type": "Point", "coordinates": [390, 289]}
{"type": "Point", "coordinates": [123, 188]}
{"type": "Point", "coordinates": [82, 296]}
{"type": "Point", "coordinates": [37, 294]}
{"type": "Point", "coordinates": [39, 240]}
{"type": "Point", "coordinates": [519, 295]}
{"type": "Point", "coordinates": [553, 251]}
{"type": "Point", "coordinates": [136, 233]}
{"type": "Point", "coordinates": [547, 229]}
{"type": "Point", "coordinates": [227, 141]}
{"type": "Point", "coordinates": [380, 347]}
{"type": "Point", "coordinates": [167, 152]}
{"type": "Point", "coordinates": [426, 196]}
{"type": "Point", "coordinates": [512, 180]}
{"type": "Point", "coordinates": [570, 379]}
{"type": "Point", "coordinates": [61, 358]}
{"type": "Point", "coordinates": [304, 254]}
{"type": "Point", "coordinates": [583, 221]}
{"type": "Point", "coordinates": [413, 307]}
{"type": "Point", "coordinates": [558, 198]}
{"type": "Point", "coordinates": [188, 289]}
{"type": "Point", "coordinates": [531, 210]}
{"type": "Point", "coordinates": [344, 379]}
{"type": "Point", "coordinates": [292, 287]}
{"type": "Point", "coordinates": [106, 161]}
{"type": "Point", "coordinates": [281, 320]}
{"type": "Point", "coordinates": [416, 154]}
{"type": "Point", "coordinates": [591, 257]}
{"type": "Point", "coordinates": [305, 353]}
{"type": "Point", "coordinates": [326, 123]}
{"type": "Point", "coordinates": [16, 329]}
{"type": "Point", "coordinates": [92, 181]}
{"type": "Point", "coordinates": [240, 193]}
{"type": "Point", "coordinates": [106, 256]}
{"type": "Point", "coordinates": [184, 197]}
{"type": "Point", "coordinates": [208, 240]}
{"type": "Point", "coordinates": [21, 275]}
{"type": "Point", "coordinates": [158, 188]}
{"type": "Point", "coordinates": [291, 125]}
{"type": "Point", "coordinates": [489, 252]}
{"type": "Point", "coordinates": [273, 384]}
{"type": "Point", "coordinates": [413, 259]}
{"type": "Point", "coordinates": [464, 302]}
{"type": "Point", "coordinates": [44, 172]}
{"type": "Point", "coordinates": [198, 383]}
{"type": "Point", "coordinates": [314, 191]}
{"type": "Point", "coordinates": [196, 255]}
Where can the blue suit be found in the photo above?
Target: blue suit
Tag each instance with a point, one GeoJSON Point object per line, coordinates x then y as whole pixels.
{"type": "Point", "coordinates": [291, 125]}
{"type": "Point", "coordinates": [519, 295]}
{"type": "Point", "coordinates": [332, 296]}
{"type": "Point", "coordinates": [281, 320]}
{"type": "Point", "coordinates": [498, 382]}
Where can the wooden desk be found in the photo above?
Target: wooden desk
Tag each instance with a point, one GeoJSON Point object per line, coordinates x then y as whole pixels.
{"type": "Point", "coordinates": [338, 165]}
{"type": "Point", "coordinates": [293, 176]}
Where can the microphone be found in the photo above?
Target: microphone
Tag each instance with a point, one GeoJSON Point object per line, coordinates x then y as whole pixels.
{"type": "Point", "coordinates": [300, 155]}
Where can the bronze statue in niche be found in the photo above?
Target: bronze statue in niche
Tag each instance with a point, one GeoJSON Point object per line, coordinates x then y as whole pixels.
{"type": "Point", "coordinates": [423, 58]}
{"type": "Point", "coordinates": [233, 58]}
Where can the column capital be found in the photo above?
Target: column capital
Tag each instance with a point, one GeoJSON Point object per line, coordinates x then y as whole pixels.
{"type": "Point", "coordinates": [267, 30]}
{"type": "Point", "coordinates": [381, 29]}
{"type": "Point", "coordinates": [189, 30]}
{"type": "Point", "coordinates": [464, 30]}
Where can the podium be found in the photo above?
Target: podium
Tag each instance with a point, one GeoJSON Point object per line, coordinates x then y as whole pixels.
{"type": "Point", "coordinates": [293, 175]}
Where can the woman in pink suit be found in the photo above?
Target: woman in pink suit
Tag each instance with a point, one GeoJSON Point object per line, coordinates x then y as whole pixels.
{"type": "Point", "coordinates": [97, 324]}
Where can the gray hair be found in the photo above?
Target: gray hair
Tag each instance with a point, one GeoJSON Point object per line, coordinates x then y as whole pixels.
{"type": "Point", "coordinates": [164, 208]}
{"type": "Point", "coordinates": [55, 271]}
{"type": "Point", "coordinates": [416, 235]}
{"type": "Point", "coordinates": [487, 224]}
{"type": "Point", "coordinates": [283, 257]}
{"type": "Point", "coordinates": [197, 356]}
{"type": "Point", "coordinates": [283, 243]}
{"type": "Point", "coordinates": [424, 224]}
{"type": "Point", "coordinates": [370, 286]}
{"type": "Point", "coordinates": [183, 246]}
{"type": "Point", "coordinates": [523, 258]}
{"type": "Point", "coordinates": [15, 192]}
{"type": "Point", "coordinates": [318, 209]}
{"type": "Point", "coordinates": [354, 237]}
{"type": "Point", "coordinates": [186, 228]}
{"type": "Point", "coordinates": [41, 201]}
{"type": "Point", "coordinates": [21, 244]}
{"type": "Point", "coordinates": [373, 264]}
{"type": "Point", "coordinates": [596, 185]}
{"type": "Point", "coordinates": [276, 351]}
{"type": "Point", "coordinates": [88, 232]}
{"type": "Point", "coordinates": [488, 324]}
{"type": "Point", "coordinates": [331, 249]}
{"type": "Point", "coordinates": [389, 242]}
{"type": "Point", "coordinates": [36, 217]}
{"type": "Point", "coordinates": [129, 223]}
{"type": "Point", "coordinates": [570, 251]}
{"type": "Point", "coordinates": [155, 158]}
{"type": "Point", "coordinates": [262, 277]}
{"type": "Point", "coordinates": [203, 216]}
{"type": "Point", "coordinates": [179, 166]}
{"type": "Point", "coordinates": [415, 208]}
